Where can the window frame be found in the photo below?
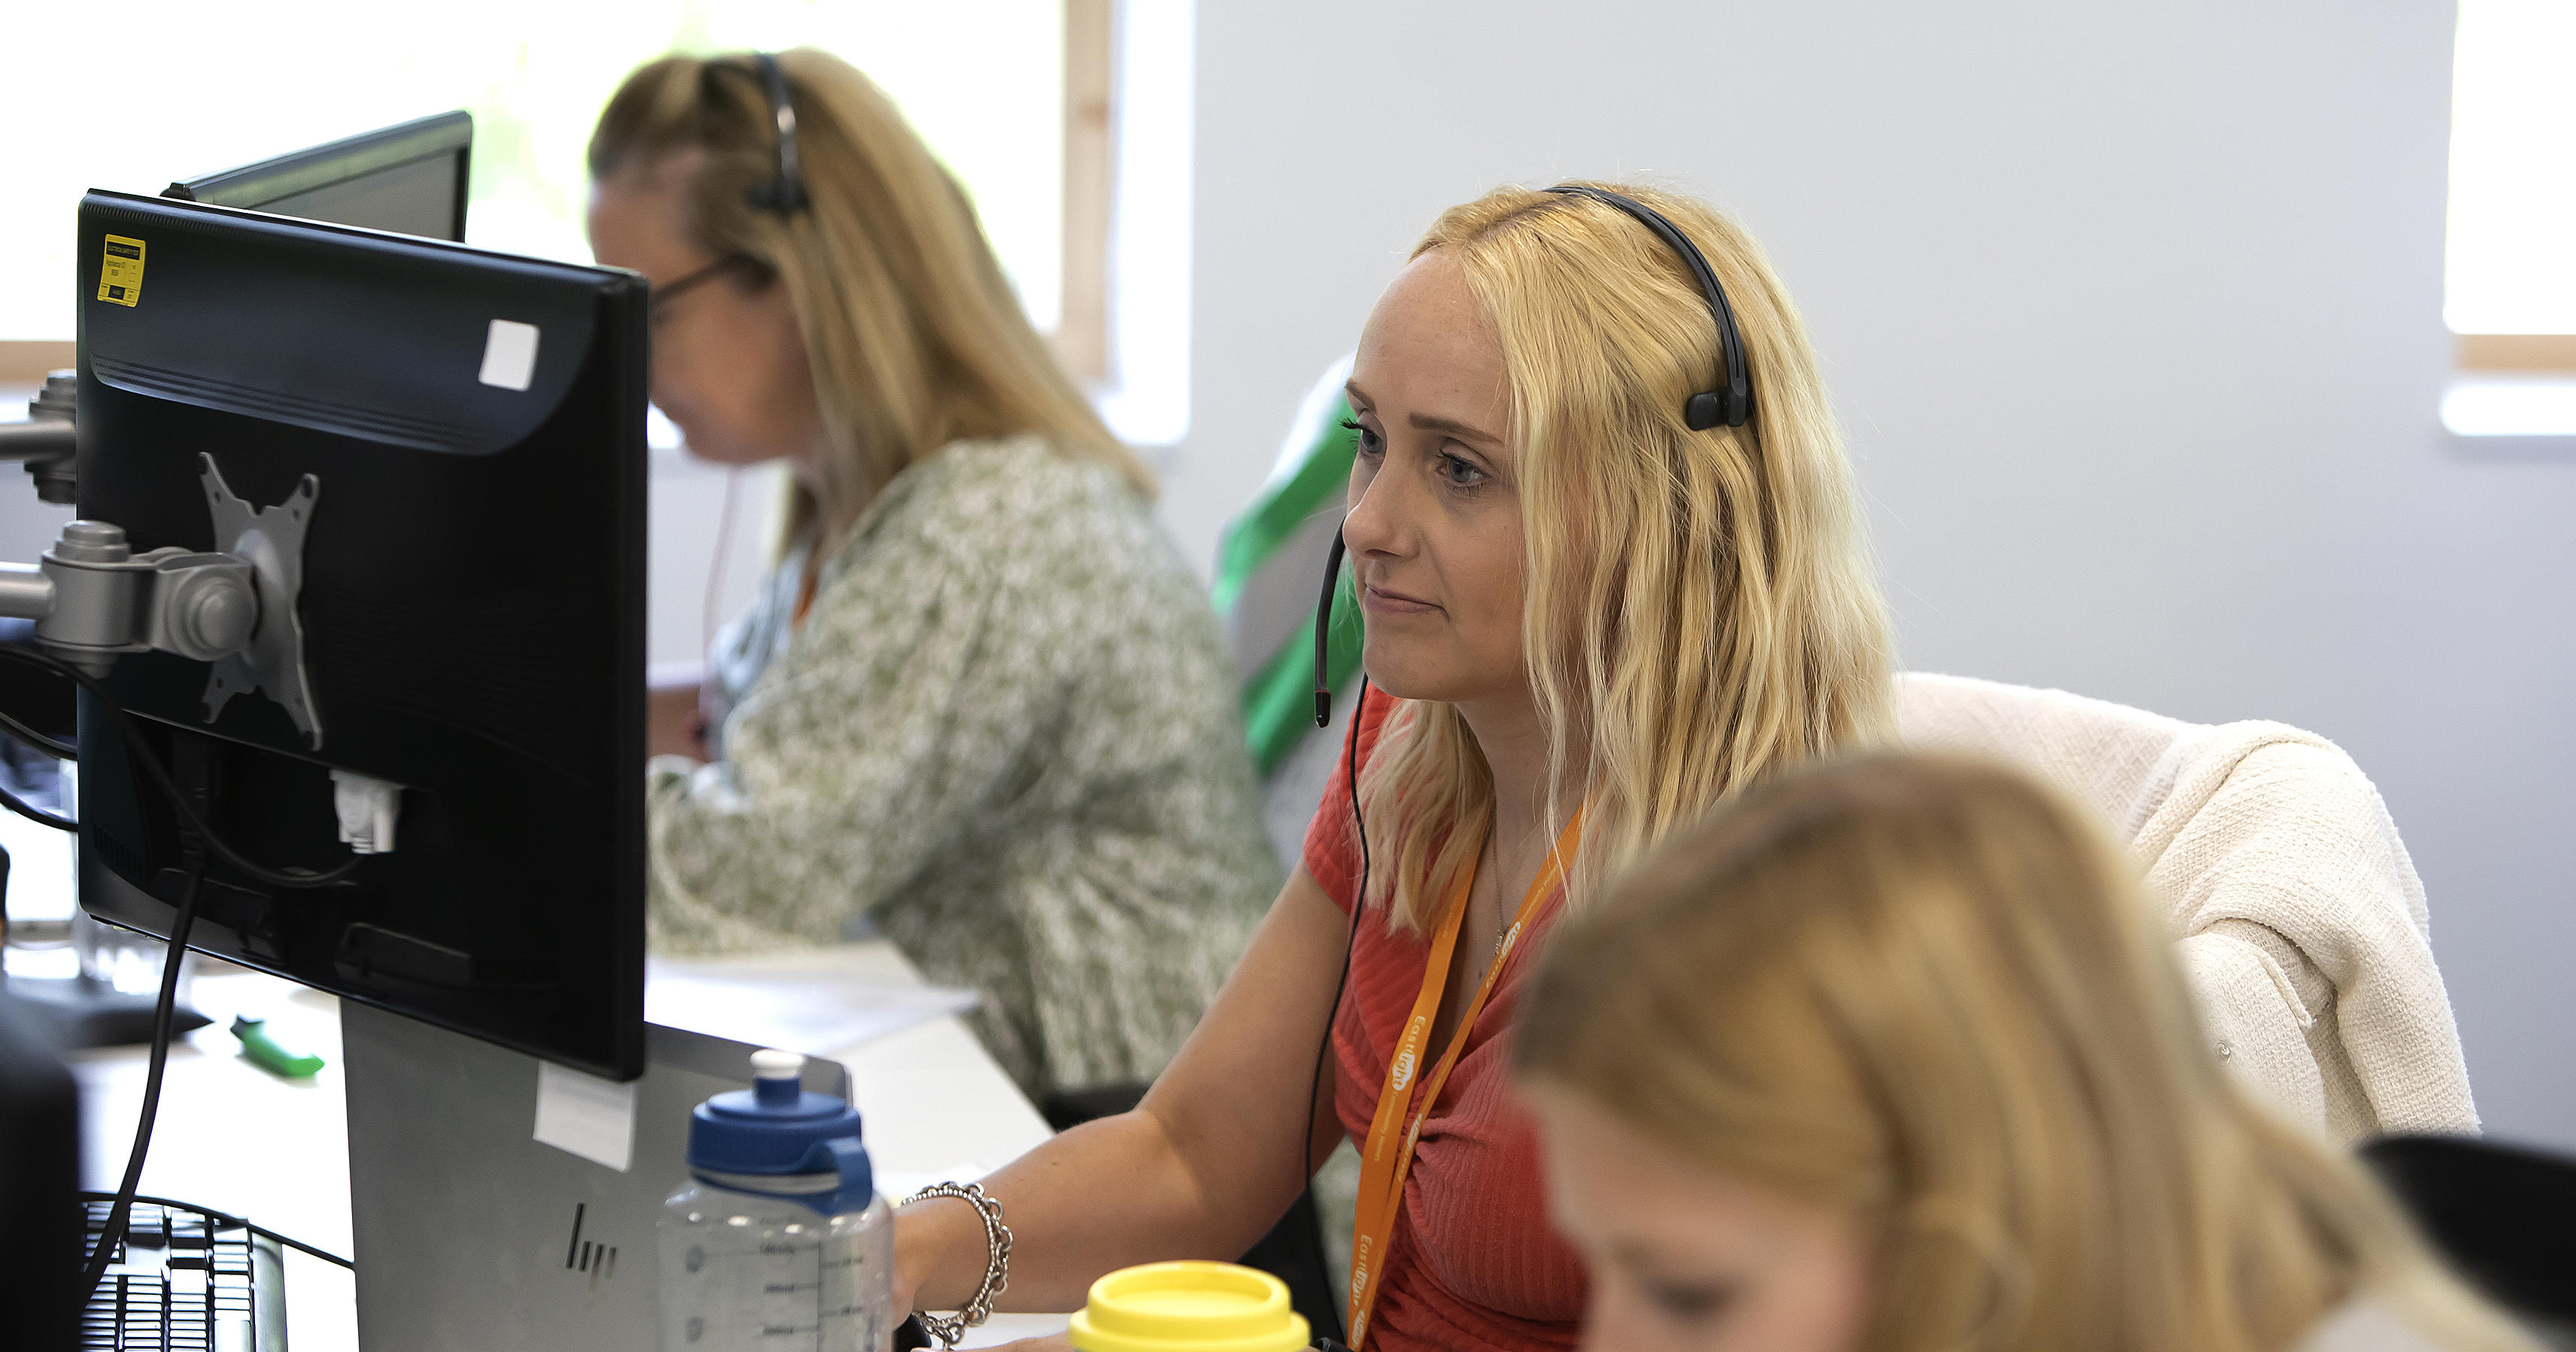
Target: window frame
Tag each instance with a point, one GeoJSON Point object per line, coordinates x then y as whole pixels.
{"type": "Point", "coordinates": [2477, 355]}
{"type": "Point", "coordinates": [26, 362]}
{"type": "Point", "coordinates": [1081, 337]}
{"type": "Point", "coordinates": [2501, 353]}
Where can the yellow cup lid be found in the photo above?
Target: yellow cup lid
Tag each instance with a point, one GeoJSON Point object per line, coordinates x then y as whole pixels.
{"type": "Point", "coordinates": [1188, 1307]}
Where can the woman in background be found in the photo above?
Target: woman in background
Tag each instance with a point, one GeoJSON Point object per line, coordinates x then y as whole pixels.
{"type": "Point", "coordinates": [980, 701]}
{"type": "Point", "coordinates": [1890, 1055]}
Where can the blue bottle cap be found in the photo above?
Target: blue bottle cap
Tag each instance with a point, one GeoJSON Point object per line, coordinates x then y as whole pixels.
{"type": "Point", "coordinates": [775, 1139]}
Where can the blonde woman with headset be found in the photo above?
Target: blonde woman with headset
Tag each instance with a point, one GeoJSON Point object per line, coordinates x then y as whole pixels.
{"type": "Point", "coordinates": [980, 700]}
{"type": "Point", "coordinates": [1890, 1055]}
{"type": "Point", "coordinates": [1604, 538]}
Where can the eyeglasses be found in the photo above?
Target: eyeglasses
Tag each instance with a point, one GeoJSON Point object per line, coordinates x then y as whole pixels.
{"type": "Point", "coordinates": [662, 297]}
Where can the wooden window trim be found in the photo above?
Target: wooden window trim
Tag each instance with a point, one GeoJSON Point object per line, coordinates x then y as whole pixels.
{"type": "Point", "coordinates": [25, 363]}
{"type": "Point", "coordinates": [2551, 352]}
{"type": "Point", "coordinates": [1090, 178]}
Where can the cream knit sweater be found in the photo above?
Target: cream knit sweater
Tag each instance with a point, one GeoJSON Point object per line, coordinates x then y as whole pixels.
{"type": "Point", "coordinates": [2296, 914]}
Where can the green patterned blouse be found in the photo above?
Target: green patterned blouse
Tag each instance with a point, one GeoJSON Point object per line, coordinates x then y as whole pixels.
{"type": "Point", "coordinates": [1008, 734]}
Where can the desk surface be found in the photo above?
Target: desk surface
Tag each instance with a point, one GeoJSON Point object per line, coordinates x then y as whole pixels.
{"type": "Point", "coordinates": [236, 1138]}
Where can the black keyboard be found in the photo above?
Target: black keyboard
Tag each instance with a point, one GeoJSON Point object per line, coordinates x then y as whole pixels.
{"type": "Point", "coordinates": [184, 1282]}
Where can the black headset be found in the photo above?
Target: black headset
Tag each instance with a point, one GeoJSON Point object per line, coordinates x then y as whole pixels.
{"type": "Point", "coordinates": [1730, 406]}
{"type": "Point", "coordinates": [785, 194]}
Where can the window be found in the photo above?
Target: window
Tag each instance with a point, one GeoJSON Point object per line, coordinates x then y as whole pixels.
{"type": "Point", "coordinates": [189, 88]}
{"type": "Point", "coordinates": [2510, 277]}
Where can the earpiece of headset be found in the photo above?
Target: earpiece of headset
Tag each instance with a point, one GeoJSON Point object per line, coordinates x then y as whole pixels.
{"type": "Point", "coordinates": [1732, 404]}
{"type": "Point", "coordinates": [785, 194]}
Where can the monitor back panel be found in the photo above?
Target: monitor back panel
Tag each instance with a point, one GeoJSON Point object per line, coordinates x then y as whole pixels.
{"type": "Point", "coordinates": [472, 610]}
{"type": "Point", "coordinates": [412, 178]}
{"type": "Point", "coordinates": [416, 199]}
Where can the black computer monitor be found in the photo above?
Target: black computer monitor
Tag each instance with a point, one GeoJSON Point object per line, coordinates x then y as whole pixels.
{"type": "Point", "coordinates": [411, 179]}
{"type": "Point", "coordinates": [472, 609]}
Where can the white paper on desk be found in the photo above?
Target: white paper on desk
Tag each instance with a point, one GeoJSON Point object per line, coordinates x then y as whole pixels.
{"type": "Point", "coordinates": [40, 869]}
{"type": "Point", "coordinates": [589, 1116]}
{"type": "Point", "coordinates": [801, 1011]}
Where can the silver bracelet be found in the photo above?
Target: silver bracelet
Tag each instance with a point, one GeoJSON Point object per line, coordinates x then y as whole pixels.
{"type": "Point", "coordinates": [949, 1329]}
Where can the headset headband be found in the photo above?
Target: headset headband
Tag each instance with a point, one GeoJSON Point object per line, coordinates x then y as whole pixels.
{"type": "Point", "coordinates": [1732, 405]}
{"type": "Point", "coordinates": [784, 194]}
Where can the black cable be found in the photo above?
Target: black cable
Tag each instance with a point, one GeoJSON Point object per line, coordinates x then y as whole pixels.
{"type": "Point", "coordinates": [36, 740]}
{"type": "Point", "coordinates": [34, 813]}
{"type": "Point", "coordinates": [201, 841]}
{"type": "Point", "coordinates": [1333, 1013]}
{"type": "Point", "coordinates": [227, 1219]}
{"type": "Point", "coordinates": [160, 776]}
{"type": "Point", "coordinates": [113, 1233]}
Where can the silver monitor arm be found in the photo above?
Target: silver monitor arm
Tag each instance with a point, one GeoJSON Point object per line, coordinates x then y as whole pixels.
{"type": "Point", "coordinates": [94, 599]}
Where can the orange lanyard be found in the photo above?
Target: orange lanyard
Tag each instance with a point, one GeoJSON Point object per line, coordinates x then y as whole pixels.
{"type": "Point", "coordinates": [804, 594]}
{"type": "Point", "coordinates": [1386, 1162]}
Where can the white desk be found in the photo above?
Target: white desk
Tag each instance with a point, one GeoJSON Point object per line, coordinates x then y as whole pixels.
{"type": "Point", "coordinates": [236, 1138]}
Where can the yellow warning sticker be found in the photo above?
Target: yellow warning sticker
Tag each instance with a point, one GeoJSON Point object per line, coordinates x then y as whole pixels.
{"type": "Point", "coordinates": [120, 272]}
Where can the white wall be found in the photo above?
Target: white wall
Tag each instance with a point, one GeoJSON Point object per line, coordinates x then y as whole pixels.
{"type": "Point", "coordinates": [2133, 313]}
{"type": "Point", "coordinates": [689, 546]}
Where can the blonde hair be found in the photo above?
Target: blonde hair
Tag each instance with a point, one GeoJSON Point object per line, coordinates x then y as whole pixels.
{"type": "Point", "coordinates": [1701, 608]}
{"type": "Point", "coordinates": [912, 332]}
{"type": "Point", "coordinates": [1926, 990]}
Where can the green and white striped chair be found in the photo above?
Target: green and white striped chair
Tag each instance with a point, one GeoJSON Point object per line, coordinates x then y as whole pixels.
{"type": "Point", "coordinates": [1269, 566]}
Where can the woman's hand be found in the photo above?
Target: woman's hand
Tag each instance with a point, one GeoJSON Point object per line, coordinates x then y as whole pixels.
{"type": "Point", "coordinates": [673, 725]}
{"type": "Point", "coordinates": [1199, 1170]}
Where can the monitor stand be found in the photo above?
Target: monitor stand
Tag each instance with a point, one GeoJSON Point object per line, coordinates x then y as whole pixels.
{"type": "Point", "coordinates": [473, 1235]}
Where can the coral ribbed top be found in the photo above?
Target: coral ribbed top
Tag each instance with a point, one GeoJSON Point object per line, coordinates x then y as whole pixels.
{"type": "Point", "coordinates": [1472, 1263]}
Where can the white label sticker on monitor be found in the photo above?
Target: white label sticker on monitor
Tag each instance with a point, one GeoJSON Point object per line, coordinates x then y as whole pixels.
{"type": "Point", "coordinates": [589, 1116]}
{"type": "Point", "coordinates": [510, 354]}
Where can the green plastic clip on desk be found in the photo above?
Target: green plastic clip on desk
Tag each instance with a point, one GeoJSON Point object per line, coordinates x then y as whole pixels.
{"type": "Point", "coordinates": [264, 1051]}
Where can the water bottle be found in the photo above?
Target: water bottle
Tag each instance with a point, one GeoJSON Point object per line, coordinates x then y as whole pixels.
{"type": "Point", "coordinates": [778, 1242]}
{"type": "Point", "coordinates": [1188, 1307]}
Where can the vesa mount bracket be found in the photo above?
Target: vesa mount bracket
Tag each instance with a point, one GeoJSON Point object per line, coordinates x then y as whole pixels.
{"type": "Point", "coordinates": [94, 599]}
